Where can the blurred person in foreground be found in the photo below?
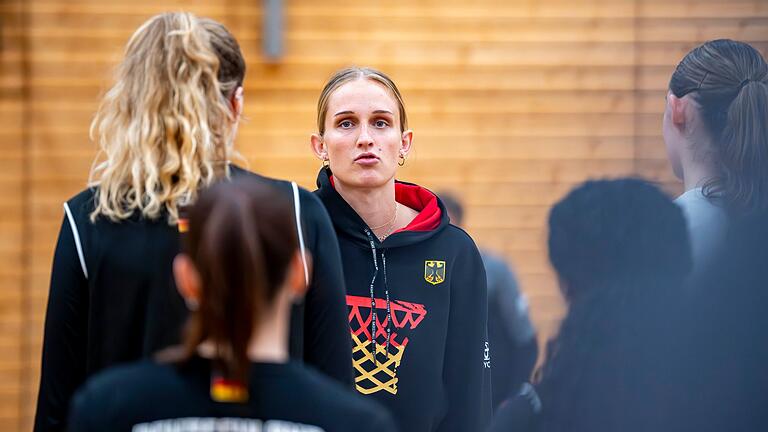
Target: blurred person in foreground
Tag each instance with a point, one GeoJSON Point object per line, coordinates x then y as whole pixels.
{"type": "Point", "coordinates": [720, 364]}
{"type": "Point", "coordinates": [510, 332]}
{"type": "Point", "coordinates": [719, 97]}
{"type": "Point", "coordinates": [416, 287]}
{"type": "Point", "coordinates": [621, 253]}
{"type": "Point", "coordinates": [716, 133]}
{"type": "Point", "coordinates": [240, 273]}
{"type": "Point", "coordinates": [166, 131]}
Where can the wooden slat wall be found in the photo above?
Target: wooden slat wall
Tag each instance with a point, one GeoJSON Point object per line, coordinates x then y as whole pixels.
{"type": "Point", "coordinates": [13, 368]}
{"type": "Point", "coordinates": [512, 102]}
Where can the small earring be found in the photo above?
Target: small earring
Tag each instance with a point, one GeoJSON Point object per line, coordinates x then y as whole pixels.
{"type": "Point", "coordinates": [402, 160]}
{"type": "Point", "coordinates": [192, 304]}
{"type": "Point", "coordinates": [326, 163]}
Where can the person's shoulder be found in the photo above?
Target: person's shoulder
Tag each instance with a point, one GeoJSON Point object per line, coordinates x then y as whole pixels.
{"type": "Point", "coordinates": [127, 376]}
{"type": "Point", "coordinates": [82, 202]}
{"type": "Point", "coordinates": [82, 196]}
{"type": "Point", "coordinates": [704, 215]}
{"type": "Point", "coordinates": [333, 398]}
{"type": "Point", "coordinates": [238, 172]}
{"type": "Point", "coordinates": [308, 199]}
{"type": "Point", "coordinates": [695, 203]}
{"type": "Point", "coordinates": [102, 397]}
{"type": "Point", "coordinates": [461, 240]}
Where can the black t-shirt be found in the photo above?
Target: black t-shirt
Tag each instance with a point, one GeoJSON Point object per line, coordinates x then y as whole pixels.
{"type": "Point", "coordinates": [148, 396]}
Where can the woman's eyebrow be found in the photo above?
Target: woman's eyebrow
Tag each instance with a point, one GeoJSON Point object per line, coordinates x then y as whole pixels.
{"type": "Point", "coordinates": [343, 113]}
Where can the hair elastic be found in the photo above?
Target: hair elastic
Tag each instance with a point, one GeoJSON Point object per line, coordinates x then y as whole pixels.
{"type": "Point", "coordinates": [745, 82]}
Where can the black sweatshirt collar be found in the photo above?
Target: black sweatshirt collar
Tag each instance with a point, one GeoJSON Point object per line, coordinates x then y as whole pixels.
{"type": "Point", "coordinates": [349, 224]}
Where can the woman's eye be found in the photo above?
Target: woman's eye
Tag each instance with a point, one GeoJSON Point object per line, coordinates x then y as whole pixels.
{"type": "Point", "coordinates": [346, 124]}
{"type": "Point", "coordinates": [381, 123]}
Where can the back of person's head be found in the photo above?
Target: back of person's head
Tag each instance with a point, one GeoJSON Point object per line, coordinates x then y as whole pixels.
{"type": "Point", "coordinates": [620, 249]}
{"type": "Point", "coordinates": [454, 207]}
{"type": "Point", "coordinates": [242, 247]}
{"type": "Point", "coordinates": [610, 231]}
{"type": "Point", "coordinates": [729, 82]}
{"type": "Point", "coordinates": [166, 127]}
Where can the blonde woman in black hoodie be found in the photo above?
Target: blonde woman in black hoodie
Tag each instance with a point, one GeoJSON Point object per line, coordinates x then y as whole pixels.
{"type": "Point", "coordinates": [416, 288]}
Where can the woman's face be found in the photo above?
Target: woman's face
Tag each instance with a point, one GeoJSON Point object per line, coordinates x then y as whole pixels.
{"type": "Point", "coordinates": [362, 139]}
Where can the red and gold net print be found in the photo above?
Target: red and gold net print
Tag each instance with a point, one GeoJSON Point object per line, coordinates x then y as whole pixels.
{"type": "Point", "coordinates": [377, 371]}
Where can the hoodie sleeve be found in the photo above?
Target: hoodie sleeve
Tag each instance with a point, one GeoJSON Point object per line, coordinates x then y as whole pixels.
{"type": "Point", "coordinates": [63, 366]}
{"type": "Point", "coordinates": [467, 367]}
{"type": "Point", "coordinates": [327, 344]}
{"type": "Point", "coordinates": [82, 413]}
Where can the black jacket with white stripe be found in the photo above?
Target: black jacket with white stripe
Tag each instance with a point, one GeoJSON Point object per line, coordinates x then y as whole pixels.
{"type": "Point", "coordinates": [113, 299]}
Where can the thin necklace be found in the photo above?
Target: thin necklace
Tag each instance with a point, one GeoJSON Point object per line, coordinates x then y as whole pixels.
{"type": "Point", "coordinates": [389, 224]}
{"type": "Point", "coordinates": [391, 221]}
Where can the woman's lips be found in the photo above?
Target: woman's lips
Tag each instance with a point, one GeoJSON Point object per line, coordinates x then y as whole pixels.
{"type": "Point", "coordinates": [367, 159]}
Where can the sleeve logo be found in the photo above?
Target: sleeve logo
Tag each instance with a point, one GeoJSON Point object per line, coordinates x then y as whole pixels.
{"type": "Point", "coordinates": [487, 356]}
{"type": "Point", "coordinates": [434, 271]}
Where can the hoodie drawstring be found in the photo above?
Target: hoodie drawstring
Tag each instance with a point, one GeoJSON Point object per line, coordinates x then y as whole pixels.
{"type": "Point", "coordinates": [374, 315]}
{"type": "Point", "coordinates": [386, 293]}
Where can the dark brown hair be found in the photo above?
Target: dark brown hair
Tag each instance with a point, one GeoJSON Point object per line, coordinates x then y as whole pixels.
{"type": "Point", "coordinates": [729, 80]}
{"type": "Point", "coordinates": [241, 239]}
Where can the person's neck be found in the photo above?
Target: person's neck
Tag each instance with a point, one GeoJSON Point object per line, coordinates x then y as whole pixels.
{"type": "Point", "coordinates": [376, 206]}
{"type": "Point", "coordinates": [696, 173]}
{"type": "Point", "coordinates": [269, 342]}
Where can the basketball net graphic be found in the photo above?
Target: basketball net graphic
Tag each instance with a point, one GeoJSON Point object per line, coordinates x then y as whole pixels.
{"type": "Point", "coordinates": [373, 374]}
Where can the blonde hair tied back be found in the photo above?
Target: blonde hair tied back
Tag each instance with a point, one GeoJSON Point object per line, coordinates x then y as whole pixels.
{"type": "Point", "coordinates": [353, 73]}
{"type": "Point", "coordinates": [165, 127]}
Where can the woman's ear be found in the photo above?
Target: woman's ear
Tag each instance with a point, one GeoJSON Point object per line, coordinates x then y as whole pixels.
{"type": "Point", "coordinates": [678, 108]}
{"type": "Point", "coordinates": [406, 142]}
{"type": "Point", "coordinates": [236, 101]}
{"type": "Point", "coordinates": [318, 147]}
{"type": "Point", "coordinates": [187, 280]}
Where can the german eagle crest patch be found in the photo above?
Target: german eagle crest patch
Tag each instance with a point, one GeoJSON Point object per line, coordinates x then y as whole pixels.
{"type": "Point", "coordinates": [434, 271]}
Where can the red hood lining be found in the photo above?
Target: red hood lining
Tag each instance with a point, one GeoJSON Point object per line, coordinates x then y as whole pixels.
{"type": "Point", "coordinates": [419, 199]}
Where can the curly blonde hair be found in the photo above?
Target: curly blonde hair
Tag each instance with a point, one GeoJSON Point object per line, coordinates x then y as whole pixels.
{"type": "Point", "coordinates": [166, 128]}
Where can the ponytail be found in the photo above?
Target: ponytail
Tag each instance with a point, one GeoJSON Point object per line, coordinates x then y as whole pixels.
{"type": "Point", "coordinates": [232, 298]}
{"type": "Point", "coordinates": [744, 148]}
{"type": "Point", "coordinates": [164, 128]}
{"type": "Point", "coordinates": [241, 249]}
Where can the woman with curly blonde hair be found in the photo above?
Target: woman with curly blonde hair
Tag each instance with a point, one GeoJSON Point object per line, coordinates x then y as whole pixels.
{"type": "Point", "coordinates": [166, 130]}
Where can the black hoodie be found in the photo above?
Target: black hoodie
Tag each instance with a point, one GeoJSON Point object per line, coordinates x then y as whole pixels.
{"type": "Point", "coordinates": [432, 365]}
